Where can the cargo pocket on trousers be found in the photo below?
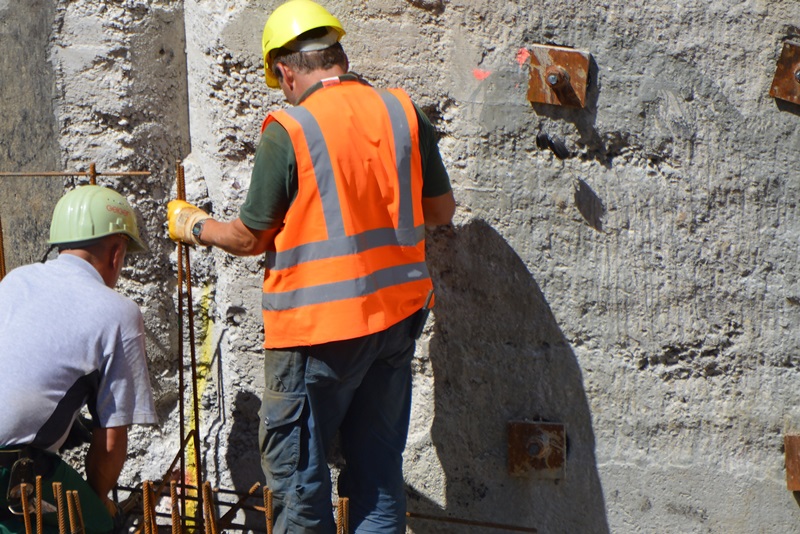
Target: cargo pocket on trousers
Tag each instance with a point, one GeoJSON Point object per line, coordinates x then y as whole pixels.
{"type": "Point", "coordinates": [280, 447]}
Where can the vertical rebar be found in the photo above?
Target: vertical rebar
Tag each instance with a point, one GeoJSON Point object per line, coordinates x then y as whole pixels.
{"type": "Point", "coordinates": [27, 516]}
{"type": "Point", "coordinates": [193, 359]}
{"type": "Point", "coordinates": [81, 524]}
{"type": "Point", "coordinates": [2, 253]}
{"type": "Point", "coordinates": [58, 491]}
{"type": "Point", "coordinates": [343, 515]}
{"type": "Point", "coordinates": [176, 510]}
{"type": "Point", "coordinates": [268, 512]}
{"type": "Point", "coordinates": [153, 504]}
{"type": "Point", "coordinates": [181, 371]}
{"type": "Point", "coordinates": [147, 506]}
{"type": "Point", "coordinates": [39, 525]}
{"type": "Point", "coordinates": [73, 514]}
{"type": "Point", "coordinates": [208, 502]}
{"type": "Point", "coordinates": [92, 174]}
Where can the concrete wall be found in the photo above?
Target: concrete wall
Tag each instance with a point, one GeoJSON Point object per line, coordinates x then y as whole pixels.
{"type": "Point", "coordinates": [643, 291]}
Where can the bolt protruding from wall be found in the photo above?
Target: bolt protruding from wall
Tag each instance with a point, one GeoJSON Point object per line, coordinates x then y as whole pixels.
{"type": "Point", "coordinates": [556, 76]}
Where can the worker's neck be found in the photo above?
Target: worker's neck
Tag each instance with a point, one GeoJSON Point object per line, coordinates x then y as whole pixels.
{"type": "Point", "coordinates": [100, 263]}
{"type": "Point", "coordinates": [303, 81]}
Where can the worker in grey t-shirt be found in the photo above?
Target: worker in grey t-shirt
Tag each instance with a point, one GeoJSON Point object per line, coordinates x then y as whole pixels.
{"type": "Point", "coordinates": [67, 339]}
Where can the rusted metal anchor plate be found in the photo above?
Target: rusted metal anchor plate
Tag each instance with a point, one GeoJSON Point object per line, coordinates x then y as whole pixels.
{"type": "Point", "coordinates": [786, 83]}
{"type": "Point", "coordinates": [537, 449]}
{"type": "Point", "coordinates": [559, 76]}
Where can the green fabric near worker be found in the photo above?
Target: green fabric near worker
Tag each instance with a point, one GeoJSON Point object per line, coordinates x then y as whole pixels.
{"type": "Point", "coordinates": [95, 515]}
{"type": "Point", "coordinates": [270, 195]}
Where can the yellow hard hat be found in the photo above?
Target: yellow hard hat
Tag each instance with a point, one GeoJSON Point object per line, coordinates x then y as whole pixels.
{"type": "Point", "coordinates": [289, 21]}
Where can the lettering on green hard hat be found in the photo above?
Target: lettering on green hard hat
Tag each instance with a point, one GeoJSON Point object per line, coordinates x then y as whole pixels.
{"type": "Point", "coordinates": [90, 212]}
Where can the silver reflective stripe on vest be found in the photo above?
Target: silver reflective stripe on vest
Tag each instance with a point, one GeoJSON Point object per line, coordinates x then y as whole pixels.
{"type": "Point", "coordinates": [357, 287]}
{"type": "Point", "coordinates": [323, 170]}
{"type": "Point", "coordinates": [345, 246]}
{"type": "Point", "coordinates": [339, 244]}
{"type": "Point", "coordinates": [402, 149]}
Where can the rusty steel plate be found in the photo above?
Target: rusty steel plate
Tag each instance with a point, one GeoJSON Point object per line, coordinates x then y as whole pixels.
{"type": "Point", "coordinates": [786, 83]}
{"type": "Point", "coordinates": [791, 446]}
{"type": "Point", "coordinates": [559, 76]}
{"type": "Point", "coordinates": [537, 449]}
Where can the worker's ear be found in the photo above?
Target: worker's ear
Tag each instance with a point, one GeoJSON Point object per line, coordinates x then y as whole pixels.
{"type": "Point", "coordinates": [116, 259]}
{"type": "Point", "coordinates": [285, 74]}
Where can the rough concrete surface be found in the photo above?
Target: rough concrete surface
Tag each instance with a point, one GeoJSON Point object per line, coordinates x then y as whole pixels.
{"type": "Point", "coordinates": [636, 283]}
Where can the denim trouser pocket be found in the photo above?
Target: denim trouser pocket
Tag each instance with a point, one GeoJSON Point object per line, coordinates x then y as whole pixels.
{"type": "Point", "coordinates": [280, 433]}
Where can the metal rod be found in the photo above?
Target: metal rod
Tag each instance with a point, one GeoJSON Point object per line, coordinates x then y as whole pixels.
{"type": "Point", "coordinates": [268, 512]}
{"type": "Point", "coordinates": [147, 508]}
{"type": "Point", "coordinates": [482, 524]}
{"type": "Point", "coordinates": [181, 181]}
{"type": "Point", "coordinates": [226, 520]}
{"type": "Point", "coordinates": [80, 511]}
{"type": "Point", "coordinates": [192, 351]}
{"type": "Point", "coordinates": [208, 502]}
{"type": "Point", "coordinates": [2, 253]}
{"type": "Point", "coordinates": [39, 497]}
{"type": "Point", "coordinates": [58, 491]}
{"type": "Point", "coordinates": [92, 174]}
{"type": "Point", "coordinates": [168, 475]}
{"type": "Point", "coordinates": [163, 490]}
{"type": "Point", "coordinates": [73, 173]}
{"type": "Point", "coordinates": [181, 370]}
{"type": "Point", "coordinates": [175, 510]}
{"type": "Point", "coordinates": [153, 503]}
{"type": "Point", "coordinates": [73, 514]}
{"type": "Point", "coordinates": [342, 515]}
{"type": "Point", "coordinates": [26, 516]}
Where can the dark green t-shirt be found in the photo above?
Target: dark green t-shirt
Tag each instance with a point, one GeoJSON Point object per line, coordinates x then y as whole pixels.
{"type": "Point", "coordinates": [273, 184]}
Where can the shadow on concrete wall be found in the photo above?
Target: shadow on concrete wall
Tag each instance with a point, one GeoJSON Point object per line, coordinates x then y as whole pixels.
{"type": "Point", "coordinates": [498, 355]}
{"type": "Point", "coordinates": [242, 455]}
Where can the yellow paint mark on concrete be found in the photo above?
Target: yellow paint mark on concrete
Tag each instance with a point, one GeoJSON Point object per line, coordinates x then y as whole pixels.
{"type": "Point", "coordinates": [204, 360]}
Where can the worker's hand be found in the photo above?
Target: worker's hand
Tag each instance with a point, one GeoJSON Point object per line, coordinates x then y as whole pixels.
{"type": "Point", "coordinates": [182, 216]}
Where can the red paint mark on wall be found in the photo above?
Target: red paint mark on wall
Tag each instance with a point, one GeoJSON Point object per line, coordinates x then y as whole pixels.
{"type": "Point", "coordinates": [523, 55]}
{"type": "Point", "coordinates": [481, 74]}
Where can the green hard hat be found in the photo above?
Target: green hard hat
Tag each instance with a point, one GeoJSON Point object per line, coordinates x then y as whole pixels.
{"type": "Point", "coordinates": [90, 212]}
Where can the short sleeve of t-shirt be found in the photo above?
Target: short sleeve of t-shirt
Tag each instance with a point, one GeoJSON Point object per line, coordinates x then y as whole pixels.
{"type": "Point", "coordinates": [273, 184]}
{"type": "Point", "coordinates": [124, 394]}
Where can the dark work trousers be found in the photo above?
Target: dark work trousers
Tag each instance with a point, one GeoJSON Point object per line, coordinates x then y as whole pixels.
{"type": "Point", "coordinates": [94, 512]}
{"type": "Point", "coordinates": [360, 387]}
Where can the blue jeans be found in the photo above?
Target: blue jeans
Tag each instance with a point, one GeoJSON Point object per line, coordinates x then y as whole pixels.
{"type": "Point", "coordinates": [359, 387]}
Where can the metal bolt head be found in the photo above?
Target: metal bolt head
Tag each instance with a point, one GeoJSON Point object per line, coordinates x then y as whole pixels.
{"type": "Point", "coordinates": [552, 79]}
{"type": "Point", "coordinates": [797, 75]}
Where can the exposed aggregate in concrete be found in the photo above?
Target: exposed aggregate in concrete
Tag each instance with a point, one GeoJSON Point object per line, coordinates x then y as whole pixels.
{"type": "Point", "coordinates": [629, 269]}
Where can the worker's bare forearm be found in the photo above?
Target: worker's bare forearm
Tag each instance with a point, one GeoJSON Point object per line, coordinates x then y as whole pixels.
{"type": "Point", "coordinates": [106, 456]}
{"type": "Point", "coordinates": [236, 238]}
{"type": "Point", "coordinates": [439, 211]}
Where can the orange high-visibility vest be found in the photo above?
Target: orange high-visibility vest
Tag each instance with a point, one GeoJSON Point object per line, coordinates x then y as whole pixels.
{"type": "Point", "coordinates": [350, 258]}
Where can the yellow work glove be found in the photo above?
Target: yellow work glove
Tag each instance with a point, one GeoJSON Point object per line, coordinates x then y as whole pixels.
{"type": "Point", "coordinates": [182, 217]}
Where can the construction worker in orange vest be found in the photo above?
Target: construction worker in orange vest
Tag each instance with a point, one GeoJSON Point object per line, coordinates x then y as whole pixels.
{"type": "Point", "coordinates": [344, 184]}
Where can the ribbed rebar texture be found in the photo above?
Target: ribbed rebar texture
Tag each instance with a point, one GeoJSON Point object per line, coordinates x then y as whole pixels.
{"type": "Point", "coordinates": [26, 516]}
{"type": "Point", "coordinates": [58, 491]}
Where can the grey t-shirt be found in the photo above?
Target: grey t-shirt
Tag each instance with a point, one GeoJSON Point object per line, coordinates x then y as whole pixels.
{"type": "Point", "coordinates": [66, 339]}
